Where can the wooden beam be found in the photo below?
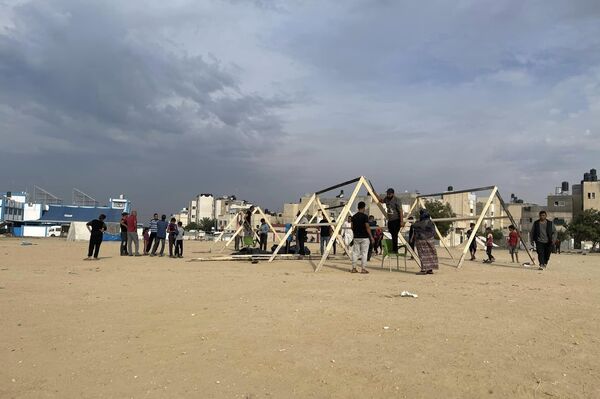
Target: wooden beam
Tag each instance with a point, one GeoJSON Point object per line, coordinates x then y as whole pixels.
{"type": "Point", "coordinates": [517, 226]}
{"type": "Point", "coordinates": [422, 203]}
{"type": "Point", "coordinates": [465, 219]}
{"type": "Point", "coordinates": [470, 190]}
{"type": "Point", "coordinates": [328, 218]}
{"type": "Point", "coordinates": [340, 223]}
{"type": "Point", "coordinates": [234, 218]}
{"type": "Point", "coordinates": [296, 221]}
{"type": "Point", "coordinates": [477, 225]}
{"type": "Point", "coordinates": [338, 186]}
{"type": "Point", "coordinates": [268, 223]}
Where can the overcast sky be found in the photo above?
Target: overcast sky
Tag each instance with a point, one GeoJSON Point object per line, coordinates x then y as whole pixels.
{"type": "Point", "coordinates": [269, 100]}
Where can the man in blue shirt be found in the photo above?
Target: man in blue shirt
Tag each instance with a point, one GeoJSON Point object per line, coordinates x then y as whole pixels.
{"type": "Point", "coordinates": [161, 235]}
{"type": "Point", "coordinates": [264, 234]}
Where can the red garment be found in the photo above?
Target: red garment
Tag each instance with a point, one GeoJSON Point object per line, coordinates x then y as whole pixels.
{"type": "Point", "coordinates": [131, 224]}
{"type": "Point", "coordinates": [490, 240]}
{"type": "Point", "coordinates": [513, 238]}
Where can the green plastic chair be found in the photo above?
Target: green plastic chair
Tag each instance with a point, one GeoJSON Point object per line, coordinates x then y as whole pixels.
{"type": "Point", "coordinates": [387, 246]}
{"type": "Point", "coordinates": [248, 241]}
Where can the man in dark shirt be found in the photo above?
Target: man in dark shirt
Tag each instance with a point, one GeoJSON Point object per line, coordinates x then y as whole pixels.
{"type": "Point", "coordinates": [123, 225]}
{"type": "Point", "coordinates": [362, 238]}
{"type": "Point", "coordinates": [373, 228]}
{"type": "Point", "coordinates": [543, 235]}
{"type": "Point", "coordinates": [325, 234]}
{"type": "Point", "coordinates": [301, 236]}
{"type": "Point", "coordinates": [96, 227]}
{"type": "Point", "coordinates": [394, 216]}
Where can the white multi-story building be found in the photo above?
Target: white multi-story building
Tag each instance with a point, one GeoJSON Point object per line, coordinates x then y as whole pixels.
{"type": "Point", "coordinates": [202, 206]}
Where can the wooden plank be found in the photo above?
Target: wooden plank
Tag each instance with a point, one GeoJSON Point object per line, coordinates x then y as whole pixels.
{"type": "Point", "coordinates": [346, 183]}
{"type": "Point", "coordinates": [296, 221]}
{"type": "Point", "coordinates": [237, 232]}
{"type": "Point", "coordinates": [470, 190]}
{"type": "Point", "coordinates": [412, 208]}
{"type": "Point", "coordinates": [261, 257]}
{"type": "Point", "coordinates": [268, 223]}
{"type": "Point", "coordinates": [477, 225]}
{"type": "Point", "coordinates": [234, 218]}
{"type": "Point", "coordinates": [422, 203]}
{"type": "Point", "coordinates": [465, 219]}
{"type": "Point", "coordinates": [514, 223]}
{"type": "Point", "coordinates": [328, 218]}
{"type": "Point", "coordinates": [342, 217]}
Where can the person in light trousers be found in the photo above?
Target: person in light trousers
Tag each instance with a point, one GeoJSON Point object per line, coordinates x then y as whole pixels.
{"type": "Point", "coordinates": [362, 239]}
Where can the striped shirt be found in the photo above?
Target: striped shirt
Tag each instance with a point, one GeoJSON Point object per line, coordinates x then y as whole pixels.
{"type": "Point", "coordinates": [153, 225]}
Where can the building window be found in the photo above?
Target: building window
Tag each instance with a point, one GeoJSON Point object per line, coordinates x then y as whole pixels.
{"type": "Point", "coordinates": [591, 195]}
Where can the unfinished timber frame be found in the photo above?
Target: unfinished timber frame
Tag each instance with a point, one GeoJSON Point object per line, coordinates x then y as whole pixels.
{"type": "Point", "coordinates": [240, 228]}
{"type": "Point", "coordinates": [361, 182]}
{"type": "Point", "coordinates": [420, 203]}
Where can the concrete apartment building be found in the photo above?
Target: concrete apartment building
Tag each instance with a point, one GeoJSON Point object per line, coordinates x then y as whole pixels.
{"type": "Point", "coordinates": [205, 205]}
{"type": "Point", "coordinates": [586, 195]}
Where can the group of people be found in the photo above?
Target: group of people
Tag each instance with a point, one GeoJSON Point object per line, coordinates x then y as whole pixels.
{"type": "Point", "coordinates": [365, 237]}
{"type": "Point", "coordinates": [543, 238]}
{"type": "Point", "coordinates": [156, 233]}
{"type": "Point", "coordinates": [262, 230]}
{"type": "Point", "coordinates": [359, 232]}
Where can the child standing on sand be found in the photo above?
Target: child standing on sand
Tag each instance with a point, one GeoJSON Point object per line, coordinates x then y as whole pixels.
{"type": "Point", "coordinates": [179, 240]}
{"type": "Point", "coordinates": [172, 235]}
{"type": "Point", "coordinates": [489, 243]}
{"type": "Point", "coordinates": [513, 243]}
{"type": "Point", "coordinates": [146, 235]}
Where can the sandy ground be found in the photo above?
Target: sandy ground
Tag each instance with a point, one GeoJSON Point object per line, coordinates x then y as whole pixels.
{"type": "Point", "coordinates": [126, 327]}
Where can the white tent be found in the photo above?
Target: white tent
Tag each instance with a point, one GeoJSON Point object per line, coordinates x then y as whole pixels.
{"type": "Point", "coordinates": [78, 232]}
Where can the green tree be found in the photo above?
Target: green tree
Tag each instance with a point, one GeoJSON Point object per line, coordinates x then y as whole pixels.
{"type": "Point", "coordinates": [586, 227]}
{"type": "Point", "coordinates": [562, 235]}
{"type": "Point", "coordinates": [193, 226]}
{"type": "Point", "coordinates": [439, 210]}
{"type": "Point", "coordinates": [498, 236]}
{"type": "Point", "coordinates": [206, 224]}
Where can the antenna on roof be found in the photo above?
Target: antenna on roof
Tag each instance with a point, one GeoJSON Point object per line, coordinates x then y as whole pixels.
{"type": "Point", "coordinates": [41, 196]}
{"type": "Point", "coordinates": [82, 199]}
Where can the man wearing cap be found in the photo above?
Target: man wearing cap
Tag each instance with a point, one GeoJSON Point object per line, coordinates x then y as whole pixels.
{"type": "Point", "coordinates": [394, 216]}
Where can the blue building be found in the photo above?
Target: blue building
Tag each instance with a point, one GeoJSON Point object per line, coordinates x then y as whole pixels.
{"type": "Point", "coordinates": [65, 214]}
{"type": "Point", "coordinates": [39, 219]}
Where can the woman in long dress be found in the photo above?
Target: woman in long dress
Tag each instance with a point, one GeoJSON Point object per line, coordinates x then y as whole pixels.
{"type": "Point", "coordinates": [424, 233]}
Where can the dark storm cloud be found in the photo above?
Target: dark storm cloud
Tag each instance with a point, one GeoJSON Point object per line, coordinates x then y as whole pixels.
{"type": "Point", "coordinates": [269, 100]}
{"type": "Point", "coordinates": [499, 92]}
{"type": "Point", "coordinates": [77, 83]}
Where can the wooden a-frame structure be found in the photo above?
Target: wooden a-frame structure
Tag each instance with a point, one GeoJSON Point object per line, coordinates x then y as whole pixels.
{"type": "Point", "coordinates": [238, 231]}
{"type": "Point", "coordinates": [494, 193]}
{"type": "Point", "coordinates": [361, 182]}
